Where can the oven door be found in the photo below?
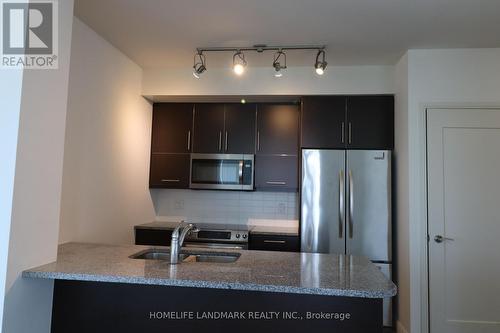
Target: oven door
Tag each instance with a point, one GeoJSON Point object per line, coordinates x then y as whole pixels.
{"type": "Point", "coordinates": [222, 171]}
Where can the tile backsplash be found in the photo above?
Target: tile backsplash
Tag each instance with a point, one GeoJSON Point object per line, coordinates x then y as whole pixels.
{"type": "Point", "coordinates": [225, 206]}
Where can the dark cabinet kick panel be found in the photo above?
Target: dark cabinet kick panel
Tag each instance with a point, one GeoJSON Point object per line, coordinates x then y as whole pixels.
{"type": "Point", "coordinates": [172, 127]}
{"type": "Point", "coordinates": [323, 123]}
{"type": "Point", "coordinates": [277, 129]}
{"type": "Point", "coordinates": [239, 134]}
{"type": "Point", "coordinates": [208, 128]}
{"type": "Point", "coordinates": [276, 173]}
{"type": "Point", "coordinates": [169, 170]}
{"type": "Point", "coordinates": [370, 121]}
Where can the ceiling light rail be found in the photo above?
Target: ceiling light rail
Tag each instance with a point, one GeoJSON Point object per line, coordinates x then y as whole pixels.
{"type": "Point", "coordinates": [279, 60]}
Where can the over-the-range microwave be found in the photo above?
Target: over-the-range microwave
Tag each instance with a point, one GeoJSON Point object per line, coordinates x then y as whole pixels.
{"type": "Point", "coordinates": [222, 171]}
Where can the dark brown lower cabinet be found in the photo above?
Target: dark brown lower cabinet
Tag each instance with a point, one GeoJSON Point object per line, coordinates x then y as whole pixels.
{"type": "Point", "coordinates": [274, 243]}
{"type": "Point", "coordinates": [153, 237]}
{"type": "Point", "coordinates": [276, 173]}
{"type": "Point", "coordinates": [169, 171]}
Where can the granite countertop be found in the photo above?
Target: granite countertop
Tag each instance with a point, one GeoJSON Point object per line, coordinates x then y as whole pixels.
{"type": "Point", "coordinates": [253, 229]}
{"type": "Point", "coordinates": [286, 272]}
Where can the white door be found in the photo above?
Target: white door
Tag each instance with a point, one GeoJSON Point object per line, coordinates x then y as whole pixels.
{"type": "Point", "coordinates": [464, 220]}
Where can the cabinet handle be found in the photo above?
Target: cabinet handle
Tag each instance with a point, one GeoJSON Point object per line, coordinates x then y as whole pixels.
{"type": "Point", "coordinates": [258, 140]}
{"type": "Point", "coordinates": [189, 140]}
{"type": "Point", "coordinates": [276, 183]}
{"type": "Point", "coordinates": [342, 135]}
{"type": "Point", "coordinates": [225, 144]}
{"type": "Point", "coordinates": [350, 133]}
{"type": "Point", "coordinates": [170, 180]}
{"type": "Point", "coordinates": [274, 241]}
{"type": "Point", "coordinates": [220, 140]}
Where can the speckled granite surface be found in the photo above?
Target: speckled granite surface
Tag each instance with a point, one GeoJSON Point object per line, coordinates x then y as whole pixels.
{"type": "Point", "coordinates": [288, 272]}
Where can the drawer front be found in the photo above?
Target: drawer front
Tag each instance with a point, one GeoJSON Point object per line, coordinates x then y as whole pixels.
{"type": "Point", "coordinates": [153, 237]}
{"type": "Point", "coordinates": [274, 243]}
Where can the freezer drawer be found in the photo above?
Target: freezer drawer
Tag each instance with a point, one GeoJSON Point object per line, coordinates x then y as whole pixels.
{"type": "Point", "coordinates": [323, 201]}
{"type": "Point", "coordinates": [387, 270]}
{"type": "Point", "coordinates": [368, 213]}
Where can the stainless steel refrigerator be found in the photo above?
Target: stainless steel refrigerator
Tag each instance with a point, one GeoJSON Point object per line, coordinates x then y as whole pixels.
{"type": "Point", "coordinates": [346, 206]}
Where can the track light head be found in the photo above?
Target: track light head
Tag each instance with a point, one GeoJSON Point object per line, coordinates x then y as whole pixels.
{"type": "Point", "coordinates": [239, 63]}
{"type": "Point", "coordinates": [278, 66]}
{"type": "Point", "coordinates": [320, 64]}
{"type": "Point", "coordinates": [200, 64]}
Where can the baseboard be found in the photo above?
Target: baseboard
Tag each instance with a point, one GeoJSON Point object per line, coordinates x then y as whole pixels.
{"type": "Point", "coordinates": [400, 328]}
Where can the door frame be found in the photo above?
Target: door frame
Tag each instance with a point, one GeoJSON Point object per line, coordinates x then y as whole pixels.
{"type": "Point", "coordinates": [418, 217]}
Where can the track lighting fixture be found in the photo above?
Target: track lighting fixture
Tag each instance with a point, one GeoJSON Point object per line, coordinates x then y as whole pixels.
{"type": "Point", "coordinates": [278, 66]}
{"type": "Point", "coordinates": [200, 64]}
{"type": "Point", "coordinates": [239, 63]}
{"type": "Point", "coordinates": [320, 65]}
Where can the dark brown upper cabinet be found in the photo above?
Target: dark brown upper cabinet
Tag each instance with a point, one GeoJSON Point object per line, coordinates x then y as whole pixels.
{"type": "Point", "coordinates": [172, 128]}
{"type": "Point", "coordinates": [239, 129]}
{"type": "Point", "coordinates": [276, 173]}
{"type": "Point", "coordinates": [323, 122]}
{"type": "Point", "coordinates": [169, 171]}
{"type": "Point", "coordinates": [208, 128]}
{"type": "Point", "coordinates": [370, 122]}
{"type": "Point", "coordinates": [277, 129]}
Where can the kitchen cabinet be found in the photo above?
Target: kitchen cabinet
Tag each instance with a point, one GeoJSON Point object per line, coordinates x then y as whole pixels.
{"type": "Point", "coordinates": [370, 122]}
{"type": "Point", "coordinates": [323, 122]}
{"type": "Point", "coordinates": [153, 237]}
{"type": "Point", "coordinates": [224, 128]}
{"type": "Point", "coordinates": [276, 160]}
{"type": "Point", "coordinates": [277, 129]}
{"type": "Point", "coordinates": [208, 128]}
{"type": "Point", "coordinates": [348, 122]}
{"type": "Point", "coordinates": [276, 173]}
{"type": "Point", "coordinates": [274, 243]}
{"type": "Point", "coordinates": [169, 171]}
{"type": "Point", "coordinates": [239, 128]}
{"type": "Point", "coordinates": [172, 128]}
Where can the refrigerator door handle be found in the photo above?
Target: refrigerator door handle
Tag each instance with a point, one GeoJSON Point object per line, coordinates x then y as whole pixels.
{"type": "Point", "coordinates": [341, 203]}
{"type": "Point", "coordinates": [351, 205]}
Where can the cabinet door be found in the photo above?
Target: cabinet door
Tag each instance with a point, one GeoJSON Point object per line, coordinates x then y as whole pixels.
{"type": "Point", "coordinates": [239, 135]}
{"type": "Point", "coordinates": [172, 127]}
{"type": "Point", "coordinates": [370, 122]}
{"type": "Point", "coordinates": [276, 173]}
{"type": "Point", "coordinates": [274, 243]}
{"type": "Point", "coordinates": [169, 171]}
{"type": "Point", "coordinates": [323, 122]}
{"type": "Point", "coordinates": [208, 128]}
{"type": "Point", "coordinates": [277, 129]}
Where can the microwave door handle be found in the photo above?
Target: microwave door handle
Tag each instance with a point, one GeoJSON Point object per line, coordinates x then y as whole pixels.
{"type": "Point", "coordinates": [240, 172]}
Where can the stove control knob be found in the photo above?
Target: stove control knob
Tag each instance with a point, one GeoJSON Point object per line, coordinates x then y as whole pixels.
{"type": "Point", "coordinates": [237, 235]}
{"type": "Point", "coordinates": [244, 236]}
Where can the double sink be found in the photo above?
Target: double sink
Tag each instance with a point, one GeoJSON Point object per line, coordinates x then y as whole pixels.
{"type": "Point", "coordinates": [188, 256]}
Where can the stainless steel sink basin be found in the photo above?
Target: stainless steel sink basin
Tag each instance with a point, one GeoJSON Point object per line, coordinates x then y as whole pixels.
{"type": "Point", "coordinates": [188, 256]}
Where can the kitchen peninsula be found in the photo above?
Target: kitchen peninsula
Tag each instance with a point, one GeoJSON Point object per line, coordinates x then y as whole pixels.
{"type": "Point", "coordinates": [101, 288]}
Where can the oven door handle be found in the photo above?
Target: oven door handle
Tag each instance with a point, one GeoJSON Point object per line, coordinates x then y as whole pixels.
{"type": "Point", "coordinates": [216, 245]}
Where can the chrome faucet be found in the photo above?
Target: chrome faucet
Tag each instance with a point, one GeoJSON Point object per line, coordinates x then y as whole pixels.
{"type": "Point", "coordinates": [177, 240]}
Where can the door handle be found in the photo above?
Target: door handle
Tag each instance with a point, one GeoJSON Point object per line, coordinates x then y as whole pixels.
{"type": "Point", "coordinates": [225, 145]}
{"type": "Point", "coordinates": [342, 135]}
{"type": "Point", "coordinates": [258, 140]}
{"type": "Point", "coordinates": [440, 239]}
{"type": "Point", "coordinates": [351, 205]}
{"type": "Point", "coordinates": [220, 140]}
{"type": "Point", "coordinates": [274, 241]}
{"type": "Point", "coordinates": [341, 203]}
{"type": "Point", "coordinates": [189, 140]}
{"type": "Point", "coordinates": [350, 133]}
{"type": "Point", "coordinates": [276, 183]}
{"type": "Point", "coordinates": [170, 180]}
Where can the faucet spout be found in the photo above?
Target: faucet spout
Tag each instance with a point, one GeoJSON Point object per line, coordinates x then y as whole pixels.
{"type": "Point", "coordinates": [178, 235]}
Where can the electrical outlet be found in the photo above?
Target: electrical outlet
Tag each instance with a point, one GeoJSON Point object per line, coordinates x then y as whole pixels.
{"type": "Point", "coordinates": [282, 208]}
{"type": "Point", "coordinates": [179, 204]}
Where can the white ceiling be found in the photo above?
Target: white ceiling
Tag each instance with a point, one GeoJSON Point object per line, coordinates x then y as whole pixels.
{"type": "Point", "coordinates": [165, 33]}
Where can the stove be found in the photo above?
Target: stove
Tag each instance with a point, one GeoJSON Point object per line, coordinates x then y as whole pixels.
{"type": "Point", "coordinates": [219, 236]}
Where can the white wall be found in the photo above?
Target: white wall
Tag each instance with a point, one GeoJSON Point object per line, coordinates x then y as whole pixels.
{"type": "Point", "coordinates": [260, 81]}
{"type": "Point", "coordinates": [37, 188]}
{"type": "Point", "coordinates": [452, 77]}
{"type": "Point", "coordinates": [106, 154]}
{"type": "Point", "coordinates": [10, 106]}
